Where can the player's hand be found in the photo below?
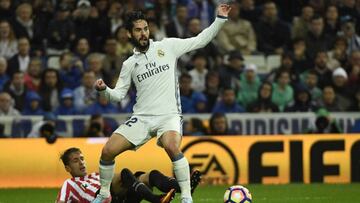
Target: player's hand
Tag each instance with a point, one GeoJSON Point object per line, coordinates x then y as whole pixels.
{"type": "Point", "coordinates": [223, 10]}
{"type": "Point", "coordinates": [100, 85]}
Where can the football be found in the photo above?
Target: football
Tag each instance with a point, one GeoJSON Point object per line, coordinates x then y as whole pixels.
{"type": "Point", "coordinates": [237, 194]}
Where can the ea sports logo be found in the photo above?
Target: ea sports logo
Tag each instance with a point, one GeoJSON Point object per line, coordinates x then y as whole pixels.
{"type": "Point", "coordinates": [214, 159]}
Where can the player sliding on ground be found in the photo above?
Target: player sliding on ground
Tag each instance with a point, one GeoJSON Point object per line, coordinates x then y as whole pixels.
{"type": "Point", "coordinates": [157, 112]}
{"type": "Point", "coordinates": [125, 187]}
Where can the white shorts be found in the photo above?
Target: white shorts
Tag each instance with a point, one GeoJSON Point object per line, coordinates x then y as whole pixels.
{"type": "Point", "coordinates": [139, 129]}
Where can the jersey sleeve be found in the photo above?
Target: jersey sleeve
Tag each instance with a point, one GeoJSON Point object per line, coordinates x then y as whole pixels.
{"type": "Point", "coordinates": [181, 46]}
{"type": "Point", "coordinates": [64, 193]}
{"type": "Point", "coordinates": [122, 85]}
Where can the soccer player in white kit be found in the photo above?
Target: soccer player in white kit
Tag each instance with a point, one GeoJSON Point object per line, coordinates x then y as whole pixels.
{"type": "Point", "coordinates": [157, 112]}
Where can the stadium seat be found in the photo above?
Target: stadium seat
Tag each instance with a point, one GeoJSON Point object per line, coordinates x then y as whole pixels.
{"type": "Point", "coordinates": [21, 128]}
{"type": "Point", "coordinates": [258, 60]}
{"type": "Point", "coordinates": [78, 127]}
{"type": "Point", "coordinates": [60, 126]}
{"type": "Point", "coordinates": [53, 62]}
{"type": "Point", "coordinates": [273, 61]}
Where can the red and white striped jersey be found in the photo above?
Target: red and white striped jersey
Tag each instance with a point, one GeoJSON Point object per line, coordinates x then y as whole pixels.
{"type": "Point", "coordinates": [80, 189]}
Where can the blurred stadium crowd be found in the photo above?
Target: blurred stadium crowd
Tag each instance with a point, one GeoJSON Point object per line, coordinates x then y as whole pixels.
{"type": "Point", "coordinates": [51, 52]}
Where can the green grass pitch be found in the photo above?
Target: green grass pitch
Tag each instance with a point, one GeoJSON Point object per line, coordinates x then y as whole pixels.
{"type": "Point", "coordinates": [293, 193]}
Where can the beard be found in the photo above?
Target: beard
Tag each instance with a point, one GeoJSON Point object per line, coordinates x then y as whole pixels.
{"type": "Point", "coordinates": [138, 45]}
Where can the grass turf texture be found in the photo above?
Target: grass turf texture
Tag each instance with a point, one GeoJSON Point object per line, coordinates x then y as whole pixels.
{"type": "Point", "coordinates": [293, 193]}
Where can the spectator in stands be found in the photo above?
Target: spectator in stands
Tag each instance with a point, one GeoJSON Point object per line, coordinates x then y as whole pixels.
{"type": "Point", "coordinates": [200, 104]}
{"type": "Point", "coordinates": [249, 11]}
{"type": "Point", "coordinates": [66, 103]}
{"type": "Point", "coordinates": [338, 55]}
{"type": "Point", "coordinates": [302, 102]}
{"type": "Point", "coordinates": [177, 27]}
{"type": "Point", "coordinates": [115, 14]}
{"type": "Point", "coordinates": [4, 78]}
{"type": "Point", "coordinates": [163, 12]}
{"type": "Point", "coordinates": [332, 22]}
{"type": "Point", "coordinates": [301, 61]}
{"type": "Point", "coordinates": [194, 126]}
{"type": "Point", "coordinates": [103, 21]}
{"type": "Point", "coordinates": [101, 106]}
{"type": "Point", "coordinates": [82, 50]}
{"type": "Point", "coordinates": [349, 31]}
{"type": "Point", "coordinates": [311, 80]}
{"type": "Point", "coordinates": [230, 73]}
{"type": "Point", "coordinates": [301, 24]}
{"type": "Point", "coordinates": [95, 128]}
{"type": "Point", "coordinates": [249, 85]}
{"type": "Point", "coordinates": [283, 93]}
{"type": "Point", "coordinates": [26, 25]}
{"type": "Point", "coordinates": [187, 94]}
{"type": "Point", "coordinates": [33, 104]}
{"type": "Point", "coordinates": [287, 64]}
{"type": "Point", "coordinates": [50, 89]}
{"type": "Point", "coordinates": [356, 104]}
{"type": "Point", "coordinates": [212, 89]}
{"type": "Point", "coordinates": [32, 76]}
{"type": "Point", "coordinates": [6, 10]}
{"type": "Point", "coordinates": [61, 29]}
{"type": "Point", "coordinates": [94, 61]}
{"type": "Point", "coordinates": [71, 70]}
{"type": "Point", "coordinates": [348, 8]}
{"type": "Point", "coordinates": [353, 68]}
{"type": "Point", "coordinates": [237, 33]}
{"type": "Point", "coordinates": [198, 72]}
{"type": "Point", "coordinates": [112, 62]}
{"type": "Point", "coordinates": [155, 32]}
{"type": "Point", "coordinates": [322, 70]}
{"type": "Point", "coordinates": [263, 102]}
{"type": "Point", "coordinates": [85, 95]}
{"type": "Point", "coordinates": [7, 105]}
{"type": "Point", "coordinates": [330, 100]}
{"type": "Point", "coordinates": [85, 21]}
{"type": "Point", "coordinates": [316, 39]}
{"type": "Point", "coordinates": [342, 90]}
{"type": "Point", "coordinates": [227, 103]}
{"type": "Point", "coordinates": [49, 121]}
{"type": "Point", "coordinates": [8, 42]}
{"type": "Point", "coordinates": [124, 47]}
{"type": "Point", "coordinates": [272, 33]}
{"type": "Point", "coordinates": [17, 89]}
{"type": "Point", "coordinates": [219, 125]}
{"type": "Point", "coordinates": [204, 10]}
{"type": "Point", "coordinates": [21, 60]}
{"type": "Point", "coordinates": [324, 123]}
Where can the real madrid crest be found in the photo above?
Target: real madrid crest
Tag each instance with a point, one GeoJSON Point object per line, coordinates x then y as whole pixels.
{"type": "Point", "coordinates": [160, 53]}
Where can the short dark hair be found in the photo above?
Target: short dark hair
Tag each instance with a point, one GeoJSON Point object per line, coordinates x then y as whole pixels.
{"type": "Point", "coordinates": [132, 17]}
{"type": "Point", "coordinates": [65, 157]}
{"type": "Point", "coordinates": [316, 17]}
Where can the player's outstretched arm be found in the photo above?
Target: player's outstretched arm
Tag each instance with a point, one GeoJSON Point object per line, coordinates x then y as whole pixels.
{"type": "Point", "coordinates": [181, 46]}
{"type": "Point", "coordinates": [121, 88]}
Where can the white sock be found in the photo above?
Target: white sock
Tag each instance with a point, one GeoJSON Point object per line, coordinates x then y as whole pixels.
{"type": "Point", "coordinates": [106, 176]}
{"type": "Point", "coordinates": [182, 174]}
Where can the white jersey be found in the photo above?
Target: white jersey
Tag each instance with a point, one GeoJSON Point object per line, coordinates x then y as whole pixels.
{"type": "Point", "coordinates": [154, 73]}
